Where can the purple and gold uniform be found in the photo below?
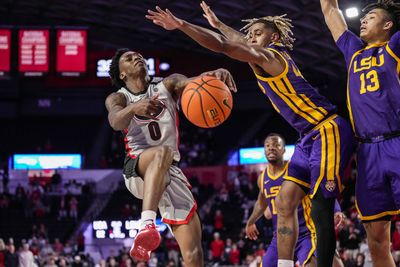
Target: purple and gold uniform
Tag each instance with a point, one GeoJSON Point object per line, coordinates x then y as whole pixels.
{"type": "Point", "coordinates": [373, 100]}
{"type": "Point", "coordinates": [306, 243]}
{"type": "Point", "coordinates": [327, 139]}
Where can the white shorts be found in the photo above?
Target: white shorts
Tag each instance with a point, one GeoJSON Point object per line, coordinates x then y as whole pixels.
{"type": "Point", "coordinates": [177, 204]}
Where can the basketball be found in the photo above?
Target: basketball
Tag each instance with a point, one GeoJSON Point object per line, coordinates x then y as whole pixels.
{"type": "Point", "coordinates": [206, 102]}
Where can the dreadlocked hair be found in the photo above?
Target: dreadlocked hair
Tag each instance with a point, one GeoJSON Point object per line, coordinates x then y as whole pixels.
{"type": "Point", "coordinates": [391, 7]}
{"type": "Point", "coordinates": [281, 24]}
{"type": "Point", "coordinates": [114, 68]}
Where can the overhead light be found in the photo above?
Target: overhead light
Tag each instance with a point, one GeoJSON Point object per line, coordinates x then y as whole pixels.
{"type": "Point", "coordinates": [352, 12]}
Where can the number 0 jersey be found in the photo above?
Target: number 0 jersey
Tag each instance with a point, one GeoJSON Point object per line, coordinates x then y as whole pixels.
{"type": "Point", "coordinates": [142, 132]}
{"type": "Point", "coordinates": [373, 87]}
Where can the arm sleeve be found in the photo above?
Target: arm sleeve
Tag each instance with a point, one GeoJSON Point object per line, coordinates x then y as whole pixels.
{"type": "Point", "coordinates": [349, 43]}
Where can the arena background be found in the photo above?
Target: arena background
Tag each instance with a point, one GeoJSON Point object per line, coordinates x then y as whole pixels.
{"type": "Point", "coordinates": [85, 216]}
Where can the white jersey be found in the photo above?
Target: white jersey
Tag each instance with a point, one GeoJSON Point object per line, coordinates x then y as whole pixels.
{"type": "Point", "coordinates": [142, 132]}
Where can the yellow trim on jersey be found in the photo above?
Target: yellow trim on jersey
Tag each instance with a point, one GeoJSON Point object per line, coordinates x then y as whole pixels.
{"type": "Point", "coordinates": [322, 123]}
{"type": "Point", "coordinates": [261, 180]}
{"type": "Point", "coordinates": [290, 104]}
{"type": "Point", "coordinates": [390, 51]}
{"type": "Point", "coordinates": [295, 180]}
{"type": "Point", "coordinates": [375, 45]}
{"type": "Point", "coordinates": [274, 177]}
{"type": "Point", "coordinates": [261, 87]}
{"type": "Point", "coordinates": [280, 76]}
{"type": "Point", "coordinates": [376, 216]}
{"type": "Point", "coordinates": [299, 99]}
{"type": "Point", "coordinates": [330, 152]}
{"type": "Point", "coordinates": [337, 163]}
{"type": "Point", "coordinates": [323, 157]}
{"type": "Point", "coordinates": [299, 103]}
{"type": "Point", "coordinates": [306, 202]}
{"type": "Point", "coordinates": [348, 89]}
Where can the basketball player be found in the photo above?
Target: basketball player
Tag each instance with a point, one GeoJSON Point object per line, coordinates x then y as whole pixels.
{"type": "Point", "coordinates": [145, 110]}
{"type": "Point", "coordinates": [327, 140]}
{"type": "Point", "coordinates": [373, 99]}
{"type": "Point", "coordinates": [270, 182]}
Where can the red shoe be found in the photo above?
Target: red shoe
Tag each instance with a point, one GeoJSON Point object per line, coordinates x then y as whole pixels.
{"type": "Point", "coordinates": [147, 240]}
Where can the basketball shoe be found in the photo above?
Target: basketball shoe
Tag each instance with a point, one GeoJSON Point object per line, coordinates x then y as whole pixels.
{"type": "Point", "coordinates": [147, 240]}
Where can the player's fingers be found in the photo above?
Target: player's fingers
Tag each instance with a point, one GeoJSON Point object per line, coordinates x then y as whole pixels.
{"type": "Point", "coordinates": [231, 84]}
{"type": "Point", "coordinates": [160, 10]}
{"type": "Point", "coordinates": [169, 12]}
{"type": "Point", "coordinates": [151, 12]}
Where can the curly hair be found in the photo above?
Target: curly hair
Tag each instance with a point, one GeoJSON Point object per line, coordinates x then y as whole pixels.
{"type": "Point", "coordinates": [114, 68]}
{"type": "Point", "coordinates": [281, 24]}
{"type": "Point", "coordinates": [391, 7]}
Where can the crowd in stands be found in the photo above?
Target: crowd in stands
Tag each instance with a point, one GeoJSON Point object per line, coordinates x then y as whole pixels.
{"type": "Point", "coordinates": [224, 212]}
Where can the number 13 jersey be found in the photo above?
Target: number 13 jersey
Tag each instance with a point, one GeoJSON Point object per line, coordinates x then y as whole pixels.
{"type": "Point", "coordinates": [373, 87]}
{"type": "Point", "coordinates": [142, 132]}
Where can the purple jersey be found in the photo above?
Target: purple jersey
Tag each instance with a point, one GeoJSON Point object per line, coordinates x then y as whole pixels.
{"type": "Point", "coordinates": [292, 96]}
{"type": "Point", "coordinates": [373, 90]}
{"type": "Point", "coordinates": [271, 186]}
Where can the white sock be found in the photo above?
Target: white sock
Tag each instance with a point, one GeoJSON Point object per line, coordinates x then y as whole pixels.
{"type": "Point", "coordinates": [285, 263]}
{"type": "Point", "coordinates": [148, 217]}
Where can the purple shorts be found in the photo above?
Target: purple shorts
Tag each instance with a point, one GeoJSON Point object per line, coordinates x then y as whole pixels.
{"type": "Point", "coordinates": [321, 156]}
{"type": "Point", "coordinates": [378, 180]}
{"type": "Point", "coordinates": [305, 249]}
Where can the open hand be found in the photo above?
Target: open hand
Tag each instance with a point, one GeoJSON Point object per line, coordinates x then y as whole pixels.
{"type": "Point", "coordinates": [225, 76]}
{"type": "Point", "coordinates": [252, 231]}
{"type": "Point", "coordinates": [339, 220]}
{"type": "Point", "coordinates": [210, 15]}
{"type": "Point", "coordinates": [164, 18]}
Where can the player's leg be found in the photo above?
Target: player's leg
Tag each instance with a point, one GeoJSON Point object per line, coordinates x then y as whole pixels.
{"type": "Point", "coordinates": [152, 165]}
{"type": "Point", "coordinates": [189, 240]}
{"type": "Point", "coordinates": [376, 196]}
{"type": "Point", "coordinates": [330, 155]}
{"type": "Point", "coordinates": [378, 237]}
{"type": "Point", "coordinates": [287, 202]}
{"type": "Point", "coordinates": [293, 190]}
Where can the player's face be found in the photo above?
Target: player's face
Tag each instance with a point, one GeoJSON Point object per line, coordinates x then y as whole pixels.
{"type": "Point", "coordinates": [274, 149]}
{"type": "Point", "coordinates": [373, 25]}
{"type": "Point", "coordinates": [132, 64]}
{"type": "Point", "coordinates": [259, 34]}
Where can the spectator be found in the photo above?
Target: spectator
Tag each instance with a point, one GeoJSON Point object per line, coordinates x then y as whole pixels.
{"type": "Point", "coordinates": [3, 252]}
{"type": "Point", "coordinates": [360, 260]}
{"type": "Point", "coordinates": [217, 247]}
{"type": "Point", "coordinates": [234, 257]}
{"type": "Point", "coordinates": [73, 208]}
{"type": "Point", "coordinates": [26, 257]}
{"type": "Point", "coordinates": [218, 220]}
{"type": "Point", "coordinates": [11, 259]}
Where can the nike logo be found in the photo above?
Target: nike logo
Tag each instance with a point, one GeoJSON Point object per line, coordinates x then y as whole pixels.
{"type": "Point", "coordinates": [225, 102]}
{"type": "Point", "coordinates": [315, 137]}
{"type": "Point", "coordinates": [266, 182]}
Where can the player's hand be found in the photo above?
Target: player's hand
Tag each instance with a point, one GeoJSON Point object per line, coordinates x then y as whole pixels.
{"type": "Point", "coordinates": [164, 18]}
{"type": "Point", "coordinates": [252, 231]}
{"type": "Point", "coordinates": [339, 220]}
{"type": "Point", "coordinates": [225, 76]}
{"type": "Point", "coordinates": [210, 15]}
{"type": "Point", "coordinates": [148, 107]}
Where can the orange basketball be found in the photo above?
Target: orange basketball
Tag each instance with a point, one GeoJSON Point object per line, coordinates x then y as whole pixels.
{"type": "Point", "coordinates": [207, 102]}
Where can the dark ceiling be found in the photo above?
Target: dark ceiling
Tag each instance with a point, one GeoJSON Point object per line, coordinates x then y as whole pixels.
{"type": "Point", "coordinates": [121, 23]}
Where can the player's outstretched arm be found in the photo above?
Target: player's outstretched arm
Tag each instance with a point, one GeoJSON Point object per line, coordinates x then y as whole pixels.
{"type": "Point", "coordinates": [213, 20]}
{"type": "Point", "coordinates": [216, 42]}
{"type": "Point", "coordinates": [259, 208]}
{"type": "Point", "coordinates": [334, 18]}
{"type": "Point", "coordinates": [175, 83]}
